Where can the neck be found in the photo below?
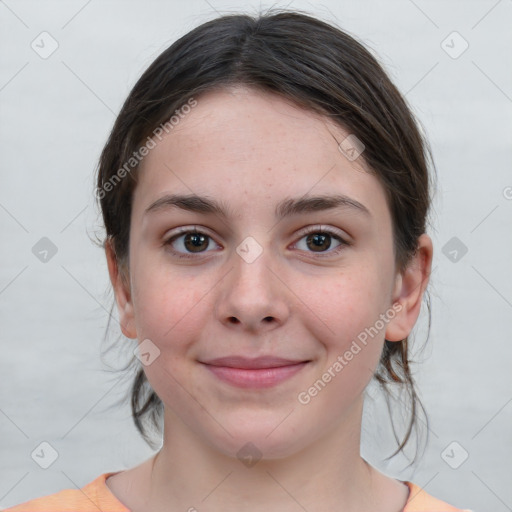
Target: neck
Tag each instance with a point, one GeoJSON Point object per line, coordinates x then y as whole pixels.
{"type": "Point", "coordinates": [328, 474]}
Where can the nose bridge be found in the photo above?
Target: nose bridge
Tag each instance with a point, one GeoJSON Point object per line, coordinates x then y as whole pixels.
{"type": "Point", "coordinates": [252, 295]}
{"type": "Point", "coordinates": [252, 265]}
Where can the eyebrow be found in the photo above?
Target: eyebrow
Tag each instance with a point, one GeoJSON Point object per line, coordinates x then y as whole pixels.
{"type": "Point", "coordinates": [287, 207]}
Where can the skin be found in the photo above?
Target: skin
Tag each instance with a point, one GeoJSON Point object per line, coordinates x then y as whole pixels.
{"type": "Point", "coordinates": [252, 150]}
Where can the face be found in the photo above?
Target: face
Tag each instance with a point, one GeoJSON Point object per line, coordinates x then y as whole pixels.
{"type": "Point", "coordinates": [244, 281]}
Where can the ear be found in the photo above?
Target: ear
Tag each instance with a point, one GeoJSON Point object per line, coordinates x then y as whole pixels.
{"type": "Point", "coordinates": [408, 291]}
{"type": "Point", "coordinates": [121, 291]}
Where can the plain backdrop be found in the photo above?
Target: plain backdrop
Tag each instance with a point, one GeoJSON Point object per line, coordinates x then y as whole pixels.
{"type": "Point", "coordinates": [452, 62]}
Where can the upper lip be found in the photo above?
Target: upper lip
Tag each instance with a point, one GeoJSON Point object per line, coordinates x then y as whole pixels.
{"type": "Point", "coordinates": [252, 363]}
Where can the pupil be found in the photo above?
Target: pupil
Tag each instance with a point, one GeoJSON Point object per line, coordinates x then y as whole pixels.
{"type": "Point", "coordinates": [196, 238]}
{"type": "Point", "coordinates": [318, 240]}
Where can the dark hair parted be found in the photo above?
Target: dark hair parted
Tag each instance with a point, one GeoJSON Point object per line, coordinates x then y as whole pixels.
{"type": "Point", "coordinates": [318, 67]}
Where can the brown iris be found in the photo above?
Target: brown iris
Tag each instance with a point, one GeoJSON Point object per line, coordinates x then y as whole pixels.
{"type": "Point", "coordinates": [318, 239]}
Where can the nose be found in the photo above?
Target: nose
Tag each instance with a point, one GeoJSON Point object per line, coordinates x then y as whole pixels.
{"type": "Point", "coordinates": [253, 296]}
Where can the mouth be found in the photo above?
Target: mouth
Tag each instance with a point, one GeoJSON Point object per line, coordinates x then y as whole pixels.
{"type": "Point", "coordinates": [261, 372]}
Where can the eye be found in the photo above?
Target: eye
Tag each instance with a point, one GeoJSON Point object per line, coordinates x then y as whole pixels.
{"type": "Point", "coordinates": [319, 240]}
{"type": "Point", "coordinates": [188, 242]}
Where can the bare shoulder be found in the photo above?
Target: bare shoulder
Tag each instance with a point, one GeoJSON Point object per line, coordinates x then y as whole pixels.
{"type": "Point", "coordinates": [130, 486]}
{"type": "Point", "coordinates": [392, 492]}
{"type": "Point", "coordinates": [400, 492]}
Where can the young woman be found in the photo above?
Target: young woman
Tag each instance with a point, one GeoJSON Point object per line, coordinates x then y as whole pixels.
{"type": "Point", "coordinates": [265, 192]}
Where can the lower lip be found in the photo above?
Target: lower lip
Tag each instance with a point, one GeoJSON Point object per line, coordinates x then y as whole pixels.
{"type": "Point", "coordinates": [256, 378]}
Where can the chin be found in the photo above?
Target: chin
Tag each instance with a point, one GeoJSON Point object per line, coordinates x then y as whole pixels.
{"type": "Point", "coordinates": [252, 443]}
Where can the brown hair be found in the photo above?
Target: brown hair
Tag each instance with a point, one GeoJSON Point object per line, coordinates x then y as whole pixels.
{"type": "Point", "coordinates": [319, 67]}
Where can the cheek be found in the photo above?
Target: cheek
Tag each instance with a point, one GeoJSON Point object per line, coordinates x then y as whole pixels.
{"type": "Point", "coordinates": [167, 307]}
{"type": "Point", "coordinates": [345, 317]}
{"type": "Point", "coordinates": [348, 303]}
{"type": "Point", "coordinates": [348, 311]}
{"type": "Point", "coordinates": [170, 311]}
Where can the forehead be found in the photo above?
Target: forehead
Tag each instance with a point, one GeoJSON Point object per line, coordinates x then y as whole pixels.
{"type": "Point", "coordinates": [251, 149]}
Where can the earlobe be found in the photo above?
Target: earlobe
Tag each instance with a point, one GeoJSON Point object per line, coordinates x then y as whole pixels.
{"type": "Point", "coordinates": [122, 292]}
{"type": "Point", "coordinates": [409, 288]}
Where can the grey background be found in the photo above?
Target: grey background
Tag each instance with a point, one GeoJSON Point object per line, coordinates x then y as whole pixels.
{"type": "Point", "coordinates": [56, 113]}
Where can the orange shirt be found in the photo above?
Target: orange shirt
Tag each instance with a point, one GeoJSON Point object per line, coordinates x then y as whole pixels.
{"type": "Point", "coordinates": [97, 496]}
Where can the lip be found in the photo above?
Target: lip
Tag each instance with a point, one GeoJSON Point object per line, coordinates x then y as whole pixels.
{"type": "Point", "coordinates": [248, 363]}
{"type": "Point", "coordinates": [260, 372]}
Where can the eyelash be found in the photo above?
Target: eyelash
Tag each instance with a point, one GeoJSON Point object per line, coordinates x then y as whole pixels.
{"type": "Point", "coordinates": [314, 230]}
